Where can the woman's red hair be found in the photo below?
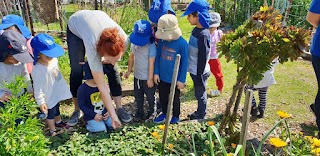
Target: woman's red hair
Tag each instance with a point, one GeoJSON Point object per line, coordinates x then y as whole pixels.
{"type": "Point", "coordinates": [110, 42]}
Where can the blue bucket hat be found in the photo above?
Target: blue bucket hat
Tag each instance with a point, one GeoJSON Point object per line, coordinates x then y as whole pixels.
{"type": "Point", "coordinates": [45, 44]}
{"type": "Point", "coordinates": [10, 20]}
{"type": "Point", "coordinates": [202, 7]}
{"type": "Point", "coordinates": [141, 34]}
{"type": "Point", "coordinates": [13, 43]}
{"type": "Point", "coordinates": [159, 8]}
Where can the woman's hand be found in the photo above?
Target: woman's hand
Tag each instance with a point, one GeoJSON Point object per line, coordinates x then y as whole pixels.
{"type": "Point", "coordinates": [116, 123]}
{"type": "Point", "coordinates": [105, 116]}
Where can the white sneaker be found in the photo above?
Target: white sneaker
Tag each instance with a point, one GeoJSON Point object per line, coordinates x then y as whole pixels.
{"type": "Point", "coordinates": [215, 93]}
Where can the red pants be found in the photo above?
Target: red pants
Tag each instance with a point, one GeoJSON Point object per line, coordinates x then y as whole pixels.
{"type": "Point", "coordinates": [216, 70]}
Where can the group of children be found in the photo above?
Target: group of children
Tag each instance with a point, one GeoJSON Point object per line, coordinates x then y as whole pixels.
{"type": "Point", "coordinates": [154, 47]}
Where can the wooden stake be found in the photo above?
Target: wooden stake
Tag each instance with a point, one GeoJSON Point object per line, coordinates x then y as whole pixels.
{"type": "Point", "coordinates": [95, 4]}
{"type": "Point", "coordinates": [245, 119]}
{"type": "Point", "coordinates": [170, 101]}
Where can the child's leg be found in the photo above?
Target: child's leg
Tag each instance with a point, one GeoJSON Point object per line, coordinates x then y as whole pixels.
{"type": "Point", "coordinates": [96, 126]}
{"type": "Point", "coordinates": [200, 82]}
{"type": "Point", "coordinates": [108, 123]}
{"type": "Point", "coordinates": [139, 97]}
{"type": "Point", "coordinates": [262, 98]}
{"type": "Point", "coordinates": [164, 91]}
{"type": "Point", "coordinates": [176, 103]}
{"type": "Point", "coordinates": [150, 93]}
{"type": "Point", "coordinates": [216, 70]}
{"type": "Point", "coordinates": [51, 118]}
{"type": "Point", "coordinates": [57, 117]}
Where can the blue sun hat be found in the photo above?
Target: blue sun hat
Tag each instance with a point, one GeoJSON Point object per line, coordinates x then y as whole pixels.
{"type": "Point", "coordinates": [141, 34]}
{"type": "Point", "coordinates": [45, 44]}
{"type": "Point", "coordinates": [10, 20]}
{"type": "Point", "coordinates": [159, 8]}
{"type": "Point", "coordinates": [202, 7]}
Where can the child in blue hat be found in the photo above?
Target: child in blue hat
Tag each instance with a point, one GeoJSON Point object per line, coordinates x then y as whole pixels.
{"type": "Point", "coordinates": [159, 8]}
{"type": "Point", "coordinates": [49, 85]}
{"type": "Point", "coordinates": [13, 59]}
{"type": "Point", "coordinates": [199, 53]}
{"type": "Point", "coordinates": [16, 23]}
{"type": "Point", "coordinates": [94, 112]}
{"type": "Point", "coordinates": [142, 56]}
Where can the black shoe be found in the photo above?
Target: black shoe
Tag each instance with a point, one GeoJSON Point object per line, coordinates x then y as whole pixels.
{"type": "Point", "coordinates": [254, 111]}
{"type": "Point", "coordinates": [195, 116]}
{"type": "Point", "coordinates": [261, 114]}
{"type": "Point", "coordinates": [312, 108]}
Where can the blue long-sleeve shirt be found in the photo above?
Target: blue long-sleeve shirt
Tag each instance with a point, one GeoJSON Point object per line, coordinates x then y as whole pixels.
{"type": "Point", "coordinates": [199, 51]}
{"type": "Point", "coordinates": [90, 102]}
{"type": "Point", "coordinates": [166, 56]}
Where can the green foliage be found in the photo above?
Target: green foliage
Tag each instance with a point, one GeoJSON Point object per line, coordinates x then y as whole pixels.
{"type": "Point", "coordinates": [25, 138]}
{"type": "Point", "coordinates": [256, 43]}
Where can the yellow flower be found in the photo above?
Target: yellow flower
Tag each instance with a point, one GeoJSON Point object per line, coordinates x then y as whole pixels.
{"type": "Point", "coordinates": [212, 144]}
{"type": "Point", "coordinates": [316, 142]}
{"type": "Point", "coordinates": [9, 130]}
{"type": "Point", "coordinates": [264, 8]}
{"type": "Point", "coordinates": [211, 123]}
{"type": "Point", "coordinates": [155, 134]}
{"type": "Point", "coordinates": [301, 133]}
{"type": "Point", "coordinates": [276, 142]}
{"type": "Point", "coordinates": [170, 146]}
{"type": "Point", "coordinates": [162, 126]}
{"type": "Point", "coordinates": [309, 138]}
{"type": "Point", "coordinates": [204, 155]}
{"type": "Point", "coordinates": [316, 151]}
{"type": "Point", "coordinates": [279, 17]}
{"type": "Point", "coordinates": [233, 145]}
{"type": "Point", "coordinates": [229, 154]}
{"type": "Point", "coordinates": [285, 39]}
{"type": "Point", "coordinates": [158, 138]}
{"type": "Point", "coordinates": [282, 114]}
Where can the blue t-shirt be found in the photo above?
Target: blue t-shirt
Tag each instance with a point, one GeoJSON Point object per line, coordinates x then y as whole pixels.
{"type": "Point", "coordinates": [315, 47]}
{"type": "Point", "coordinates": [166, 57]}
{"type": "Point", "coordinates": [90, 102]}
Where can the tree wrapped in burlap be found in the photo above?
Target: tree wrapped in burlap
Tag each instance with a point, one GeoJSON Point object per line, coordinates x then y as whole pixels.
{"type": "Point", "coordinates": [252, 47]}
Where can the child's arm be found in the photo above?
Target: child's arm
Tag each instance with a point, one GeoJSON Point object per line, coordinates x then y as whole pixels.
{"type": "Point", "coordinates": [204, 50]}
{"type": "Point", "coordinates": [183, 64]}
{"type": "Point", "coordinates": [38, 83]}
{"type": "Point", "coordinates": [83, 103]}
{"type": "Point", "coordinates": [156, 78]}
{"type": "Point", "coordinates": [27, 79]}
{"type": "Point", "coordinates": [152, 55]}
{"type": "Point", "coordinates": [130, 65]}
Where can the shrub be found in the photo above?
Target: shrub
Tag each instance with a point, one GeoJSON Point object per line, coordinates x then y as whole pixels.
{"type": "Point", "coordinates": [26, 137]}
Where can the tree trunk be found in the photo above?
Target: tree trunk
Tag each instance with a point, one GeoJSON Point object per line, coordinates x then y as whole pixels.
{"type": "Point", "coordinates": [224, 10]}
{"type": "Point", "coordinates": [286, 15]}
{"type": "Point", "coordinates": [229, 105]}
{"type": "Point", "coordinates": [236, 107]}
{"type": "Point", "coordinates": [234, 11]}
{"type": "Point", "coordinates": [265, 3]}
{"type": "Point", "coordinates": [95, 4]}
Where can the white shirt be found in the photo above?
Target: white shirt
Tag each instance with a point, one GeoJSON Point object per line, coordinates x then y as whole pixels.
{"type": "Point", "coordinates": [8, 73]}
{"type": "Point", "coordinates": [268, 77]}
{"type": "Point", "coordinates": [49, 85]}
{"type": "Point", "coordinates": [88, 26]}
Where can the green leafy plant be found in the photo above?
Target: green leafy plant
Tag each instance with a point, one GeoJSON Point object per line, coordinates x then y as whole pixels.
{"type": "Point", "coordinates": [252, 47]}
{"type": "Point", "coordinates": [26, 137]}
